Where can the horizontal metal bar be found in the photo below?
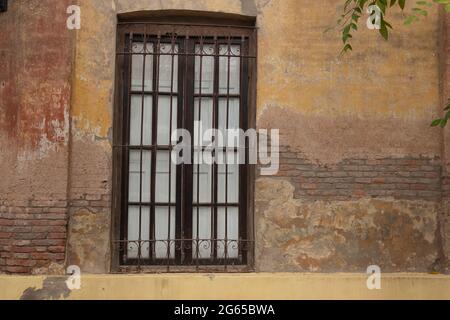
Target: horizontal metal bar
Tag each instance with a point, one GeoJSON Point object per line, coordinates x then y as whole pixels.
{"type": "Point", "coordinates": [163, 204]}
{"type": "Point", "coordinates": [185, 54]}
{"type": "Point", "coordinates": [169, 148]}
{"type": "Point", "coordinates": [159, 93]}
{"type": "Point", "coordinates": [147, 204]}
{"type": "Point", "coordinates": [185, 240]}
{"type": "Point", "coordinates": [146, 147]}
{"type": "Point", "coordinates": [176, 94]}
{"type": "Point", "coordinates": [213, 95]}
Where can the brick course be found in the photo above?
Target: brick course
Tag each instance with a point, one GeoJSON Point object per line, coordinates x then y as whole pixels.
{"type": "Point", "coordinates": [403, 178]}
{"type": "Point", "coordinates": [32, 237]}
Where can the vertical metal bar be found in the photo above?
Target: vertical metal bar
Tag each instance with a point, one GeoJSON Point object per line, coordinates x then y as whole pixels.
{"type": "Point", "coordinates": [156, 60]}
{"type": "Point", "coordinates": [186, 199]}
{"type": "Point", "coordinates": [170, 149]}
{"type": "Point", "coordinates": [179, 171]}
{"type": "Point", "coordinates": [141, 145]}
{"type": "Point", "coordinates": [188, 168]}
{"type": "Point", "coordinates": [127, 140]}
{"type": "Point", "coordinates": [242, 167]}
{"type": "Point", "coordinates": [226, 150]}
{"type": "Point", "coordinates": [200, 151]}
{"type": "Point", "coordinates": [214, 166]}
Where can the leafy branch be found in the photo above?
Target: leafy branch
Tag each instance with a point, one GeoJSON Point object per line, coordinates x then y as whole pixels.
{"type": "Point", "coordinates": [354, 10]}
{"type": "Point", "coordinates": [420, 10]}
{"type": "Point", "coordinates": [442, 122]}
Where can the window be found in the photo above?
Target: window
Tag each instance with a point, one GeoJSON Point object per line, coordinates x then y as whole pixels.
{"type": "Point", "coordinates": [191, 77]}
{"type": "Point", "coordinates": [3, 5]}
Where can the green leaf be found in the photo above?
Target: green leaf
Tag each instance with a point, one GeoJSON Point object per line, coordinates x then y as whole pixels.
{"type": "Point", "coordinates": [347, 47]}
{"type": "Point", "coordinates": [436, 122]}
{"type": "Point", "coordinates": [420, 11]}
{"type": "Point", "coordinates": [424, 3]}
{"type": "Point", "coordinates": [410, 19]}
{"type": "Point", "coordinates": [383, 30]}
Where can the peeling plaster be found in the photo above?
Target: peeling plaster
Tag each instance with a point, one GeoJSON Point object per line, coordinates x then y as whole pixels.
{"type": "Point", "coordinates": [325, 236]}
{"type": "Point", "coordinates": [53, 288]}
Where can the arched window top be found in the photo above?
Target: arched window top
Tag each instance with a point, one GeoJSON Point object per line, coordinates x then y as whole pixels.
{"type": "Point", "coordinates": [190, 17]}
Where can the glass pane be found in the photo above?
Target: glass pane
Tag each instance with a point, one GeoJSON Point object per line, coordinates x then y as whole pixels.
{"type": "Point", "coordinates": [162, 178]}
{"type": "Point", "coordinates": [206, 118]}
{"type": "Point", "coordinates": [231, 118]}
{"type": "Point", "coordinates": [133, 231]}
{"type": "Point", "coordinates": [137, 62]}
{"type": "Point", "coordinates": [205, 182]}
{"type": "Point", "coordinates": [229, 63]}
{"type": "Point", "coordinates": [232, 222]}
{"type": "Point", "coordinates": [207, 67]}
{"type": "Point", "coordinates": [135, 120]}
{"type": "Point", "coordinates": [162, 232]}
{"type": "Point", "coordinates": [135, 177]}
{"type": "Point", "coordinates": [204, 233]}
{"type": "Point", "coordinates": [164, 130]}
{"type": "Point", "coordinates": [168, 81]}
{"type": "Point", "coordinates": [233, 178]}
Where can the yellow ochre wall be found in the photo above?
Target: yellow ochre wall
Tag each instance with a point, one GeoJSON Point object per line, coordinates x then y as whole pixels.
{"type": "Point", "coordinates": [263, 286]}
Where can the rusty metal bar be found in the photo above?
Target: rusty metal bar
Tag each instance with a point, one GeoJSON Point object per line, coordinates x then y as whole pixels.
{"type": "Point", "coordinates": [141, 151]}
{"type": "Point", "coordinates": [198, 154]}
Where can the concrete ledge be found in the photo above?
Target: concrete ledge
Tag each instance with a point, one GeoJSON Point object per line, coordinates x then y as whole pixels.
{"type": "Point", "coordinates": [262, 286]}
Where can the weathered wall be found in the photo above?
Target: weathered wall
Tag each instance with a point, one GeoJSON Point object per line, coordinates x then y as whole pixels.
{"type": "Point", "coordinates": [91, 153]}
{"type": "Point", "coordinates": [360, 171]}
{"type": "Point", "coordinates": [35, 77]}
{"type": "Point", "coordinates": [352, 131]}
{"type": "Point", "coordinates": [360, 179]}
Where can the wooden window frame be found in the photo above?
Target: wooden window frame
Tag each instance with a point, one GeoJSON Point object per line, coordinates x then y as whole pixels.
{"type": "Point", "coordinates": [183, 204]}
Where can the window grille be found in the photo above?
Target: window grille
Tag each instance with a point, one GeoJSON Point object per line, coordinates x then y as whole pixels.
{"type": "Point", "coordinates": [168, 215]}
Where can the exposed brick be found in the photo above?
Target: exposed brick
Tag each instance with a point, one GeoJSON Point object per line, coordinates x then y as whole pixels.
{"type": "Point", "coordinates": [16, 269]}
{"type": "Point", "coordinates": [57, 249]}
{"type": "Point", "coordinates": [4, 222]}
{"type": "Point", "coordinates": [24, 249]}
{"type": "Point", "coordinates": [408, 178]}
{"type": "Point", "coordinates": [49, 242]}
{"type": "Point", "coordinates": [5, 235]}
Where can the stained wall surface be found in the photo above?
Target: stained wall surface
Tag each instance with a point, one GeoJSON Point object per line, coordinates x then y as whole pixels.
{"type": "Point", "coordinates": [35, 91]}
{"type": "Point", "coordinates": [361, 177]}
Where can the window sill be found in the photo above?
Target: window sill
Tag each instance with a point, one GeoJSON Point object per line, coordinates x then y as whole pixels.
{"type": "Point", "coordinates": [184, 269]}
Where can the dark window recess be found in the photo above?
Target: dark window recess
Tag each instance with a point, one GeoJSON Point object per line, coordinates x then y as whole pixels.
{"type": "Point", "coordinates": [190, 214]}
{"type": "Point", "coordinates": [3, 5]}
